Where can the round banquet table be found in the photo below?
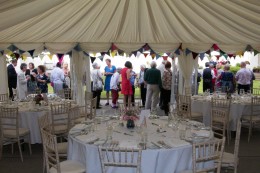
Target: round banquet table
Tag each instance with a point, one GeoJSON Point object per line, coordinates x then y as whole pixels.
{"type": "Point", "coordinates": [154, 159]}
{"type": "Point", "coordinates": [238, 108]}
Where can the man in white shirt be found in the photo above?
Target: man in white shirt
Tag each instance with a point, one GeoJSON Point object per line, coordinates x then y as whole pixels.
{"type": "Point", "coordinates": [57, 78]}
{"type": "Point", "coordinates": [243, 77]}
{"type": "Point", "coordinates": [114, 86]}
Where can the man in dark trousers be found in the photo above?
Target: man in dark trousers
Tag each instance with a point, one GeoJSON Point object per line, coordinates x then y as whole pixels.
{"type": "Point", "coordinates": [208, 74]}
{"type": "Point", "coordinates": [12, 77]}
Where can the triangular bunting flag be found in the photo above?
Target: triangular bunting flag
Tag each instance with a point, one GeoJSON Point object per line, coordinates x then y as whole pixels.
{"type": "Point", "coordinates": [113, 47]}
{"type": "Point", "coordinates": [255, 52]}
{"type": "Point", "coordinates": [221, 52]}
{"type": "Point", "coordinates": [248, 48]}
{"type": "Point", "coordinates": [152, 51]}
{"type": "Point", "coordinates": [145, 54]}
{"type": "Point", "coordinates": [77, 48]}
{"type": "Point", "coordinates": [217, 56]}
{"type": "Point", "coordinates": [146, 47]}
{"type": "Point", "coordinates": [208, 52]}
{"type": "Point", "coordinates": [120, 52]}
{"type": "Point", "coordinates": [202, 55]}
{"type": "Point", "coordinates": [180, 47]}
{"type": "Point", "coordinates": [24, 57]}
{"type": "Point", "coordinates": [15, 55]}
{"type": "Point", "coordinates": [31, 52]}
{"type": "Point", "coordinates": [169, 53]}
{"type": "Point", "coordinates": [2, 52]}
{"type": "Point", "coordinates": [226, 56]}
{"type": "Point", "coordinates": [113, 53]}
{"type": "Point", "coordinates": [194, 55]}
{"type": "Point", "coordinates": [101, 58]}
{"type": "Point", "coordinates": [157, 56]}
{"type": "Point", "coordinates": [60, 57]}
{"type": "Point", "coordinates": [177, 51]}
{"type": "Point", "coordinates": [240, 53]}
{"type": "Point", "coordinates": [21, 51]}
{"type": "Point", "coordinates": [50, 56]}
{"type": "Point", "coordinates": [92, 59]}
{"type": "Point", "coordinates": [41, 56]}
{"type": "Point", "coordinates": [12, 47]}
{"type": "Point", "coordinates": [153, 55]}
{"type": "Point", "coordinates": [215, 47]}
{"type": "Point", "coordinates": [231, 55]}
{"type": "Point", "coordinates": [187, 51]}
{"type": "Point", "coordinates": [134, 53]}
{"type": "Point", "coordinates": [69, 53]}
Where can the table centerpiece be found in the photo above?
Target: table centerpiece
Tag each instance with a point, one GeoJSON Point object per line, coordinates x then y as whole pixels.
{"type": "Point", "coordinates": [130, 116]}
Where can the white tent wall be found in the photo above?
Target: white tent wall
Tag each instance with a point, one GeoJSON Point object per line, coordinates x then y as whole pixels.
{"type": "Point", "coordinates": [3, 75]}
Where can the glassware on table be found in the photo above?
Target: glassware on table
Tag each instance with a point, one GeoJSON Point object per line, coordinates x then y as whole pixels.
{"type": "Point", "coordinates": [109, 132]}
{"type": "Point", "coordinates": [182, 131]}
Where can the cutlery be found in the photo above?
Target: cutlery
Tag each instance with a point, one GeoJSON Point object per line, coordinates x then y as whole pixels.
{"type": "Point", "coordinates": [164, 144]}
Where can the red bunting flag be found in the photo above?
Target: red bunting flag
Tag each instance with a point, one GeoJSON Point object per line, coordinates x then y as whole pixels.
{"type": "Point", "coordinates": [146, 47]}
{"type": "Point", "coordinates": [145, 54]}
{"type": "Point", "coordinates": [113, 47]}
{"type": "Point", "coordinates": [194, 55]}
{"type": "Point", "coordinates": [215, 47]}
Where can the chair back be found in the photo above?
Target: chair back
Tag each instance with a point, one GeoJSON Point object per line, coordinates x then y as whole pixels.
{"type": "Point", "coordinates": [120, 157]}
{"type": "Point", "coordinates": [9, 119]}
{"type": "Point", "coordinates": [237, 141]}
{"type": "Point", "coordinates": [59, 115]}
{"type": "Point", "coordinates": [4, 98]}
{"type": "Point", "coordinates": [77, 113]}
{"type": "Point", "coordinates": [255, 107]}
{"type": "Point", "coordinates": [219, 103]}
{"type": "Point", "coordinates": [208, 151]}
{"type": "Point", "coordinates": [44, 122]}
{"type": "Point", "coordinates": [50, 150]}
{"type": "Point", "coordinates": [218, 122]}
{"type": "Point", "coordinates": [184, 106]}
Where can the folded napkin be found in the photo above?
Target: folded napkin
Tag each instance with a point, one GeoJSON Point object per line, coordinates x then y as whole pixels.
{"type": "Point", "coordinates": [87, 138]}
{"type": "Point", "coordinates": [202, 133]}
{"type": "Point", "coordinates": [79, 127]}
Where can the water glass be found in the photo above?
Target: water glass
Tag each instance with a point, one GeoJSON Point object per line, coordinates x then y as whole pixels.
{"type": "Point", "coordinates": [182, 131]}
{"type": "Point", "coordinates": [109, 132]}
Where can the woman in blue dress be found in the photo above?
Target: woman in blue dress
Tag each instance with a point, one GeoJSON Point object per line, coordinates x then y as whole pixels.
{"type": "Point", "coordinates": [109, 71]}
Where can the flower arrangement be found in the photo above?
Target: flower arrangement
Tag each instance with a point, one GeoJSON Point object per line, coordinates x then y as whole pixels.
{"type": "Point", "coordinates": [130, 115]}
{"type": "Point", "coordinates": [38, 98]}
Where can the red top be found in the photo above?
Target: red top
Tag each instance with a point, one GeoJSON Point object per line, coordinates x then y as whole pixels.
{"type": "Point", "coordinates": [126, 85]}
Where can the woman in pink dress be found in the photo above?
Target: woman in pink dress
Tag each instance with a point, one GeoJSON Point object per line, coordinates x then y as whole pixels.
{"type": "Point", "coordinates": [126, 85]}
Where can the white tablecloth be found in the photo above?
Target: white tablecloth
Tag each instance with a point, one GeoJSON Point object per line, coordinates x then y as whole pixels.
{"type": "Point", "coordinates": [236, 111]}
{"type": "Point", "coordinates": [172, 160]}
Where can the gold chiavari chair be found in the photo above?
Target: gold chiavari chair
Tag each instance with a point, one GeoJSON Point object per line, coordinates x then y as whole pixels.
{"type": "Point", "coordinates": [11, 132]}
{"type": "Point", "coordinates": [252, 119]}
{"type": "Point", "coordinates": [218, 123]}
{"type": "Point", "coordinates": [184, 108]}
{"type": "Point", "coordinates": [231, 160]}
{"type": "Point", "coordinates": [207, 151]}
{"type": "Point", "coordinates": [52, 158]}
{"type": "Point", "coordinates": [120, 157]}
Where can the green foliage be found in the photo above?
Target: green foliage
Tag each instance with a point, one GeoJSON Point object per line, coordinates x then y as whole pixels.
{"type": "Point", "coordinates": [234, 69]}
{"type": "Point", "coordinates": [238, 65]}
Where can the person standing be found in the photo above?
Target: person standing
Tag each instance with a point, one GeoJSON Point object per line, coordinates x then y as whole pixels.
{"type": "Point", "coordinates": [208, 75]}
{"type": "Point", "coordinates": [57, 78]}
{"type": "Point", "coordinates": [161, 68]}
{"type": "Point", "coordinates": [132, 81]}
{"type": "Point", "coordinates": [115, 87]}
{"type": "Point", "coordinates": [227, 80]}
{"type": "Point", "coordinates": [97, 84]}
{"type": "Point", "coordinates": [126, 85]}
{"type": "Point", "coordinates": [109, 71]}
{"type": "Point", "coordinates": [243, 78]}
{"type": "Point", "coordinates": [12, 77]}
{"type": "Point", "coordinates": [42, 79]}
{"type": "Point", "coordinates": [22, 82]}
{"type": "Point", "coordinates": [153, 80]}
{"type": "Point", "coordinates": [215, 73]}
{"type": "Point", "coordinates": [32, 72]}
{"type": "Point", "coordinates": [66, 71]}
{"type": "Point", "coordinates": [166, 87]}
{"type": "Point", "coordinates": [142, 84]}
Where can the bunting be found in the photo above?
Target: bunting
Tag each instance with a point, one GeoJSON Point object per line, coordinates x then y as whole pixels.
{"type": "Point", "coordinates": [31, 52]}
{"type": "Point", "coordinates": [202, 55]}
{"type": "Point", "coordinates": [215, 47]}
{"type": "Point", "coordinates": [92, 59]}
{"type": "Point", "coordinates": [24, 57]}
{"type": "Point", "coordinates": [194, 55]}
{"type": "Point", "coordinates": [101, 58]}
{"type": "Point", "coordinates": [2, 52]}
{"type": "Point", "coordinates": [60, 57]}
{"type": "Point", "coordinates": [12, 48]}
{"type": "Point", "coordinates": [255, 52]}
{"type": "Point", "coordinates": [113, 53]}
{"type": "Point", "coordinates": [146, 54]}
{"type": "Point", "coordinates": [187, 51]}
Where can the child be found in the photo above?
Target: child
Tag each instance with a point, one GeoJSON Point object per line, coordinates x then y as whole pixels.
{"type": "Point", "coordinates": [115, 86]}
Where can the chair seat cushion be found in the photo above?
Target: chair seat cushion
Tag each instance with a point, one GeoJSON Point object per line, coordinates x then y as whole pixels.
{"type": "Point", "coordinates": [247, 117]}
{"type": "Point", "coordinates": [228, 158]}
{"type": "Point", "coordinates": [62, 147]}
{"type": "Point", "coordinates": [12, 133]}
{"type": "Point", "coordinates": [70, 166]}
{"type": "Point", "coordinates": [58, 129]}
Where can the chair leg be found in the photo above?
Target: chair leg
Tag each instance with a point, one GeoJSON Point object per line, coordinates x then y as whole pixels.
{"type": "Point", "coordinates": [20, 149]}
{"type": "Point", "coordinates": [249, 132]}
{"type": "Point", "coordinates": [29, 144]}
{"type": "Point", "coordinates": [12, 147]}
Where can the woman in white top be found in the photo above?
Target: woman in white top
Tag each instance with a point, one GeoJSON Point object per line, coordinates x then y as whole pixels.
{"type": "Point", "coordinates": [22, 82]}
{"type": "Point", "coordinates": [97, 82]}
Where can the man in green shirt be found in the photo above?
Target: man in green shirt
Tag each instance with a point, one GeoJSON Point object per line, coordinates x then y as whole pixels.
{"type": "Point", "coordinates": [153, 80]}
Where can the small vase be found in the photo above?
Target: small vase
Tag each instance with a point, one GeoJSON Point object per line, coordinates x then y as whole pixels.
{"type": "Point", "coordinates": [130, 124]}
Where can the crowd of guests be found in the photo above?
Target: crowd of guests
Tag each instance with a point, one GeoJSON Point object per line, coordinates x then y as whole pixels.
{"type": "Point", "coordinates": [28, 79]}
{"type": "Point", "coordinates": [154, 84]}
{"type": "Point", "coordinates": [218, 78]}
